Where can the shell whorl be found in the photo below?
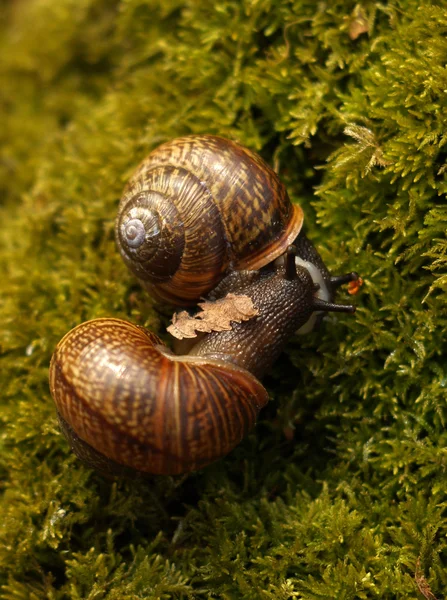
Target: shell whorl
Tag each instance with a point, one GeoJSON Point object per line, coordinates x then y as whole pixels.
{"type": "Point", "coordinates": [131, 400]}
{"type": "Point", "coordinates": [175, 229]}
{"type": "Point", "coordinates": [225, 207]}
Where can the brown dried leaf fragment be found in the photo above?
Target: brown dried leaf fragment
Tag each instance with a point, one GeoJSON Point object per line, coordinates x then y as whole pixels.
{"type": "Point", "coordinates": [233, 307]}
{"type": "Point", "coordinates": [215, 316]}
{"type": "Point", "coordinates": [185, 326]}
{"type": "Point", "coordinates": [422, 583]}
{"type": "Point", "coordinates": [354, 286]}
{"type": "Point", "coordinates": [359, 23]}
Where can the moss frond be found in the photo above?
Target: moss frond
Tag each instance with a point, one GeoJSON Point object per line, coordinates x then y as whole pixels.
{"type": "Point", "coordinates": [340, 490]}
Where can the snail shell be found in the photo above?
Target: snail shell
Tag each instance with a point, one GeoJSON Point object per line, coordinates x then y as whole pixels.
{"type": "Point", "coordinates": [125, 395]}
{"type": "Point", "coordinates": [198, 206]}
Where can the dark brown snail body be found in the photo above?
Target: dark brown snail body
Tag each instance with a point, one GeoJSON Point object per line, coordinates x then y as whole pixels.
{"type": "Point", "coordinates": [127, 402]}
{"type": "Point", "coordinates": [197, 207]}
{"type": "Point", "coordinates": [123, 398]}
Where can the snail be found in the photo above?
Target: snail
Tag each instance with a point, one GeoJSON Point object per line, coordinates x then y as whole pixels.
{"type": "Point", "coordinates": [197, 208]}
{"type": "Point", "coordinates": [128, 403]}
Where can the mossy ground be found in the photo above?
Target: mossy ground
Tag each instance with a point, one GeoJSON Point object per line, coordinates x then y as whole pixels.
{"type": "Point", "coordinates": [340, 492]}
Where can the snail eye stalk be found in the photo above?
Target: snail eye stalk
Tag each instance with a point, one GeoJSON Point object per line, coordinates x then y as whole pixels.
{"type": "Point", "coordinates": [322, 305]}
{"type": "Point", "coordinates": [338, 280]}
{"type": "Point", "coordinates": [291, 263]}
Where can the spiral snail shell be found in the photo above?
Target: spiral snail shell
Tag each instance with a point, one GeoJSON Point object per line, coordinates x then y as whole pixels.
{"type": "Point", "coordinates": [124, 394]}
{"type": "Point", "coordinates": [197, 207]}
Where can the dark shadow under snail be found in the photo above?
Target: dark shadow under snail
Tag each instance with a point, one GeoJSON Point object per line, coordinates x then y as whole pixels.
{"type": "Point", "coordinates": [124, 400]}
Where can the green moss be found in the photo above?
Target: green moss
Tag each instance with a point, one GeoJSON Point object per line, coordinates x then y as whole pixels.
{"type": "Point", "coordinates": [353, 506]}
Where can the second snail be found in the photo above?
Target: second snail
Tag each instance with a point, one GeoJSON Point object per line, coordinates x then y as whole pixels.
{"type": "Point", "coordinates": [202, 215]}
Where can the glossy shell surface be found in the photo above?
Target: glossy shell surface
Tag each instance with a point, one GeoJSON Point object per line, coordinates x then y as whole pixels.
{"type": "Point", "coordinates": [126, 396]}
{"type": "Point", "coordinates": [198, 206]}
